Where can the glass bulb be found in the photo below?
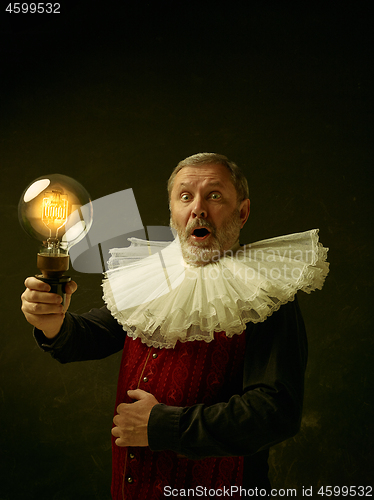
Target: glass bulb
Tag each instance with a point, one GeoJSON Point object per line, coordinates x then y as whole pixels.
{"type": "Point", "coordinates": [57, 211]}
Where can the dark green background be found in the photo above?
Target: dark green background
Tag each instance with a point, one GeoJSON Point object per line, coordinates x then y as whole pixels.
{"type": "Point", "coordinates": [114, 95]}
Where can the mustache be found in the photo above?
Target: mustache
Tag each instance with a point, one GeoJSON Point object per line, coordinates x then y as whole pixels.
{"type": "Point", "coordinates": [198, 222]}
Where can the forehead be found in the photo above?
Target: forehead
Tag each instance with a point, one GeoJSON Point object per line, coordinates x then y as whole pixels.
{"type": "Point", "coordinates": [204, 176]}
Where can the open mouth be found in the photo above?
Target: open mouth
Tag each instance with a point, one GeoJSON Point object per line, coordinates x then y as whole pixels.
{"type": "Point", "coordinates": [200, 233]}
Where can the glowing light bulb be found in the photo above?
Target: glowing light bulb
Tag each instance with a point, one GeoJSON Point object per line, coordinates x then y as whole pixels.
{"type": "Point", "coordinates": [57, 211]}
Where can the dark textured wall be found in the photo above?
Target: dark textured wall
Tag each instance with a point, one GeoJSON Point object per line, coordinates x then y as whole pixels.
{"type": "Point", "coordinates": [115, 97]}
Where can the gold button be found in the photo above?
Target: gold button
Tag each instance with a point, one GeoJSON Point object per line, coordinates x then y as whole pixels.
{"type": "Point", "coordinates": [145, 379]}
{"type": "Point", "coordinates": [130, 479]}
{"type": "Point", "coordinates": [131, 455]}
{"type": "Point", "coordinates": [154, 355]}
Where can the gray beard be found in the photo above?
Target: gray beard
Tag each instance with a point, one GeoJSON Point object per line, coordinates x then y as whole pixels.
{"type": "Point", "coordinates": [201, 253]}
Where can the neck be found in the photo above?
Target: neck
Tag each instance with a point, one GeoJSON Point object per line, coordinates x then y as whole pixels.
{"type": "Point", "coordinates": [236, 246]}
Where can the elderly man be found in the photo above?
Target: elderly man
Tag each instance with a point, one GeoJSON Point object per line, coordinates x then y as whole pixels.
{"type": "Point", "coordinates": [205, 413]}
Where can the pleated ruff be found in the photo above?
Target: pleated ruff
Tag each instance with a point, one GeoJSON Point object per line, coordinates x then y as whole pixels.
{"type": "Point", "coordinates": [160, 299]}
{"type": "Point", "coordinates": [190, 373]}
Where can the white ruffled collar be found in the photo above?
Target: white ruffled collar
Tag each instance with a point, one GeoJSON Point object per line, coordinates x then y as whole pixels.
{"type": "Point", "coordinates": [156, 296]}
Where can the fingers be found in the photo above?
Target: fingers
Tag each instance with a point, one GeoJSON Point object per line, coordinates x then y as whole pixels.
{"type": "Point", "coordinates": [42, 309]}
{"type": "Point", "coordinates": [41, 302]}
{"type": "Point", "coordinates": [34, 284]}
{"type": "Point", "coordinates": [131, 422]}
{"type": "Point", "coordinates": [124, 431]}
{"type": "Point", "coordinates": [130, 433]}
{"type": "Point", "coordinates": [37, 299]}
{"type": "Point", "coordinates": [122, 440]}
{"type": "Point", "coordinates": [37, 308]}
{"type": "Point", "coordinates": [41, 297]}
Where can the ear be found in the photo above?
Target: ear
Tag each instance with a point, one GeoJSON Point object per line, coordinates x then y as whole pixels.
{"type": "Point", "coordinates": [244, 209]}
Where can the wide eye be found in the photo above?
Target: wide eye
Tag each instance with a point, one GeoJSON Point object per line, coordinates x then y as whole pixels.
{"type": "Point", "coordinates": [185, 197]}
{"type": "Point", "coordinates": [215, 196]}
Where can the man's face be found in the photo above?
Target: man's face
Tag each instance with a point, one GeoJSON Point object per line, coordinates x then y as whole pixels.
{"type": "Point", "coordinates": [205, 212]}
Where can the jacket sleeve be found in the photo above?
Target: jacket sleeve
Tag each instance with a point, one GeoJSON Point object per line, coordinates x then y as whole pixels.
{"type": "Point", "coordinates": [268, 410]}
{"type": "Point", "coordinates": [93, 335]}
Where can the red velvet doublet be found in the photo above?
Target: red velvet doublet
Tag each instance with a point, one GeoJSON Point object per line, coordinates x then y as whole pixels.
{"type": "Point", "coordinates": [191, 373]}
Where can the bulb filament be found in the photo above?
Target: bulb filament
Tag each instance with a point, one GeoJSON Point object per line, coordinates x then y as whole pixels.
{"type": "Point", "coordinates": [54, 214]}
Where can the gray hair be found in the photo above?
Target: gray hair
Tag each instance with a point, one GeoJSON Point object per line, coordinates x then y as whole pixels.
{"type": "Point", "coordinates": [237, 177]}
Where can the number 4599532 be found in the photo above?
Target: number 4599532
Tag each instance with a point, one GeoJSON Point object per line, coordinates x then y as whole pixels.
{"type": "Point", "coordinates": [33, 8]}
{"type": "Point", "coordinates": [344, 491]}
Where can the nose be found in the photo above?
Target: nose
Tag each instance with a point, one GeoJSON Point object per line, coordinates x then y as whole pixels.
{"type": "Point", "coordinates": [201, 215]}
{"type": "Point", "coordinates": [198, 210]}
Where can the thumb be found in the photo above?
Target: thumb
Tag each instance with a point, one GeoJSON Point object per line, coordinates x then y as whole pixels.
{"type": "Point", "coordinates": [70, 287]}
{"type": "Point", "coordinates": [137, 394]}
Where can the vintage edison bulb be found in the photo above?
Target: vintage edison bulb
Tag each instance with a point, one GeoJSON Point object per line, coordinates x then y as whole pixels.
{"type": "Point", "coordinates": [57, 211]}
